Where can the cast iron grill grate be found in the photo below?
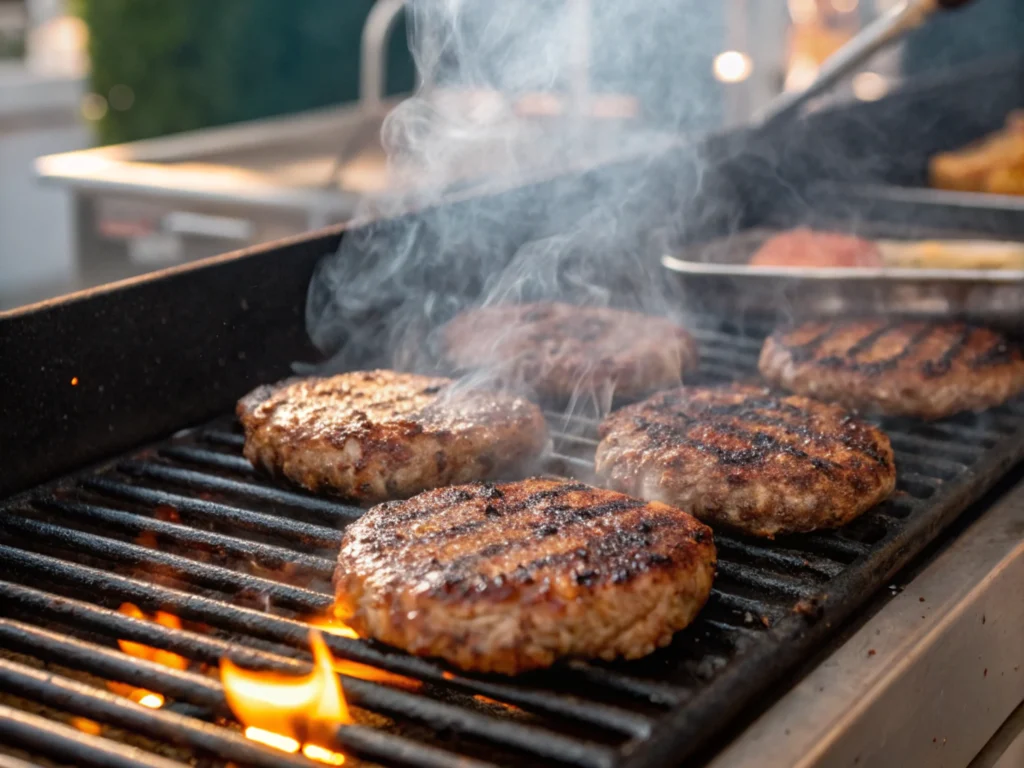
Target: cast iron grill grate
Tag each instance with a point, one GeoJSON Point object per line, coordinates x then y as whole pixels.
{"type": "Point", "coordinates": [187, 527]}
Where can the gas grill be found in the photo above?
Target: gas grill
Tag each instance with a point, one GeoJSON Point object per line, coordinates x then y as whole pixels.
{"type": "Point", "coordinates": [123, 482]}
{"type": "Point", "coordinates": [185, 525]}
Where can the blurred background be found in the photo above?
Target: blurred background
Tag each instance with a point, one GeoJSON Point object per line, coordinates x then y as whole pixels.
{"type": "Point", "coordinates": [139, 134]}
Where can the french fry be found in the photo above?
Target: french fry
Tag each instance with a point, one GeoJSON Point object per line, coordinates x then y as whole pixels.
{"type": "Point", "coordinates": [952, 254]}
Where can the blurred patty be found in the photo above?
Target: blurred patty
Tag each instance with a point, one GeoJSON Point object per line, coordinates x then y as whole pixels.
{"type": "Point", "coordinates": [377, 435]}
{"type": "Point", "coordinates": [560, 350]}
{"type": "Point", "coordinates": [740, 457]}
{"type": "Point", "coordinates": [511, 577]}
{"type": "Point", "coordinates": [899, 367]}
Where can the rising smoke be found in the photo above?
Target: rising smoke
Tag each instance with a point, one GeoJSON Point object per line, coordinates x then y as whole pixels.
{"type": "Point", "coordinates": [511, 88]}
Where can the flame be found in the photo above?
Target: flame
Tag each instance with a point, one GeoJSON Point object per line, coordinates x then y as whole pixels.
{"type": "Point", "coordinates": [151, 700]}
{"type": "Point", "coordinates": [288, 711]}
{"type": "Point", "coordinates": [495, 703]}
{"type": "Point", "coordinates": [85, 725]}
{"type": "Point", "coordinates": [334, 625]}
{"type": "Point", "coordinates": [313, 752]}
{"type": "Point", "coordinates": [271, 739]}
{"type": "Point", "coordinates": [138, 650]}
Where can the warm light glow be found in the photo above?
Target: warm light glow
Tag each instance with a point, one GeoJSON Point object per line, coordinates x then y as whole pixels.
{"type": "Point", "coordinates": [151, 700]}
{"type": "Point", "coordinates": [300, 708]}
{"type": "Point", "coordinates": [495, 703]}
{"type": "Point", "coordinates": [733, 66]}
{"type": "Point", "coordinates": [93, 106]}
{"type": "Point", "coordinates": [313, 752]}
{"type": "Point", "coordinates": [869, 86]}
{"type": "Point", "coordinates": [803, 11]}
{"type": "Point", "coordinates": [74, 381]}
{"type": "Point", "coordinates": [271, 739]}
{"type": "Point", "coordinates": [139, 651]}
{"type": "Point", "coordinates": [85, 725]}
{"type": "Point", "coordinates": [802, 71]}
{"type": "Point", "coordinates": [334, 625]}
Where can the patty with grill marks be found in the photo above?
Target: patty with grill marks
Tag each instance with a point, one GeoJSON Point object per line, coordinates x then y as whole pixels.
{"type": "Point", "coordinates": [742, 458]}
{"type": "Point", "coordinates": [512, 577]}
{"type": "Point", "coordinates": [898, 367]}
{"type": "Point", "coordinates": [378, 435]}
{"type": "Point", "coordinates": [559, 350]}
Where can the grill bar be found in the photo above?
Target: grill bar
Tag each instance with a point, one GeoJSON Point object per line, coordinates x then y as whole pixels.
{"type": "Point", "coordinates": [214, 459]}
{"type": "Point", "coordinates": [83, 700]}
{"type": "Point", "coordinates": [326, 510]}
{"type": "Point", "coordinates": [173, 565]}
{"type": "Point", "coordinates": [69, 745]}
{"type": "Point", "coordinates": [313, 535]}
{"type": "Point", "coordinates": [113, 665]}
{"type": "Point", "coordinates": [210, 650]}
{"type": "Point", "coordinates": [266, 555]}
{"type": "Point", "coordinates": [66, 694]}
{"type": "Point", "coordinates": [198, 690]}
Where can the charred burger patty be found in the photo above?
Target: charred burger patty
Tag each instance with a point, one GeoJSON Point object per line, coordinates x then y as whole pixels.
{"type": "Point", "coordinates": [511, 577]}
{"type": "Point", "coordinates": [739, 457]}
{"type": "Point", "coordinates": [377, 435]}
{"type": "Point", "coordinates": [898, 367]}
{"type": "Point", "coordinates": [560, 350]}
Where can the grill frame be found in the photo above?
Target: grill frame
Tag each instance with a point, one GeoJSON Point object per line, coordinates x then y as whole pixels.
{"type": "Point", "coordinates": [686, 720]}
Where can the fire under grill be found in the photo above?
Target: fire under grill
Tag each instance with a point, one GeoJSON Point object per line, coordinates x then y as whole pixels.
{"type": "Point", "coordinates": [188, 528]}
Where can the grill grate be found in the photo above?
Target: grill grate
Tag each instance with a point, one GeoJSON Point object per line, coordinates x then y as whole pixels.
{"type": "Point", "coordinates": [187, 526]}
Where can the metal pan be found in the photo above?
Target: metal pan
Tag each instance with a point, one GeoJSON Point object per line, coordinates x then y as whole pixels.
{"type": "Point", "coordinates": [714, 277]}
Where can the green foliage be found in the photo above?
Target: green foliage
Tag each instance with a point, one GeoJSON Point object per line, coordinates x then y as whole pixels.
{"type": "Point", "coordinates": [197, 63]}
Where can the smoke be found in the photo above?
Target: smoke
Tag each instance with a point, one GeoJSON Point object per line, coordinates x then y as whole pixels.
{"type": "Point", "coordinates": [527, 95]}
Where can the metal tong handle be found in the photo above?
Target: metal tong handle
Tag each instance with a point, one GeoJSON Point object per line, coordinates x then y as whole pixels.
{"type": "Point", "coordinates": [884, 31]}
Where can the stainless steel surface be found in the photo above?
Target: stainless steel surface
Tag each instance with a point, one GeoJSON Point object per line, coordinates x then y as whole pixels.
{"type": "Point", "coordinates": [881, 33]}
{"type": "Point", "coordinates": [926, 681]}
{"type": "Point", "coordinates": [1006, 748]}
{"type": "Point", "coordinates": [717, 273]}
{"type": "Point", "coordinates": [373, 69]}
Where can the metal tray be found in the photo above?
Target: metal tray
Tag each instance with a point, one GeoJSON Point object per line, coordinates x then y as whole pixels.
{"type": "Point", "coordinates": [715, 277]}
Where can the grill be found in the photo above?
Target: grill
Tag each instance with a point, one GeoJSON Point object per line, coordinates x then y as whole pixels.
{"type": "Point", "coordinates": [186, 526]}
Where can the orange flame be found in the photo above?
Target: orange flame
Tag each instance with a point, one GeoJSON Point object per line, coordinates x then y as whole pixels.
{"type": "Point", "coordinates": [139, 651]}
{"type": "Point", "coordinates": [156, 655]}
{"type": "Point", "coordinates": [333, 625]}
{"type": "Point", "coordinates": [289, 711]}
{"type": "Point", "coordinates": [85, 725]}
{"type": "Point", "coordinates": [495, 703]}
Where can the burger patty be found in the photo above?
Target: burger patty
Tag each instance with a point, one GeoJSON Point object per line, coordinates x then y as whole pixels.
{"type": "Point", "coordinates": [898, 367]}
{"type": "Point", "coordinates": [377, 435]}
{"type": "Point", "coordinates": [511, 577]}
{"type": "Point", "coordinates": [739, 457]}
{"type": "Point", "coordinates": [561, 350]}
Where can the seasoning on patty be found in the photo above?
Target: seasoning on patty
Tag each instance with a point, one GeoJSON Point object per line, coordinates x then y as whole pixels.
{"type": "Point", "coordinates": [378, 435]}
{"type": "Point", "coordinates": [741, 458]}
{"type": "Point", "coordinates": [511, 577]}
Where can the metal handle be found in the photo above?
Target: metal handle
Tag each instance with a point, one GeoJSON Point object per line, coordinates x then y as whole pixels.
{"type": "Point", "coordinates": [374, 66]}
{"type": "Point", "coordinates": [881, 33]}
